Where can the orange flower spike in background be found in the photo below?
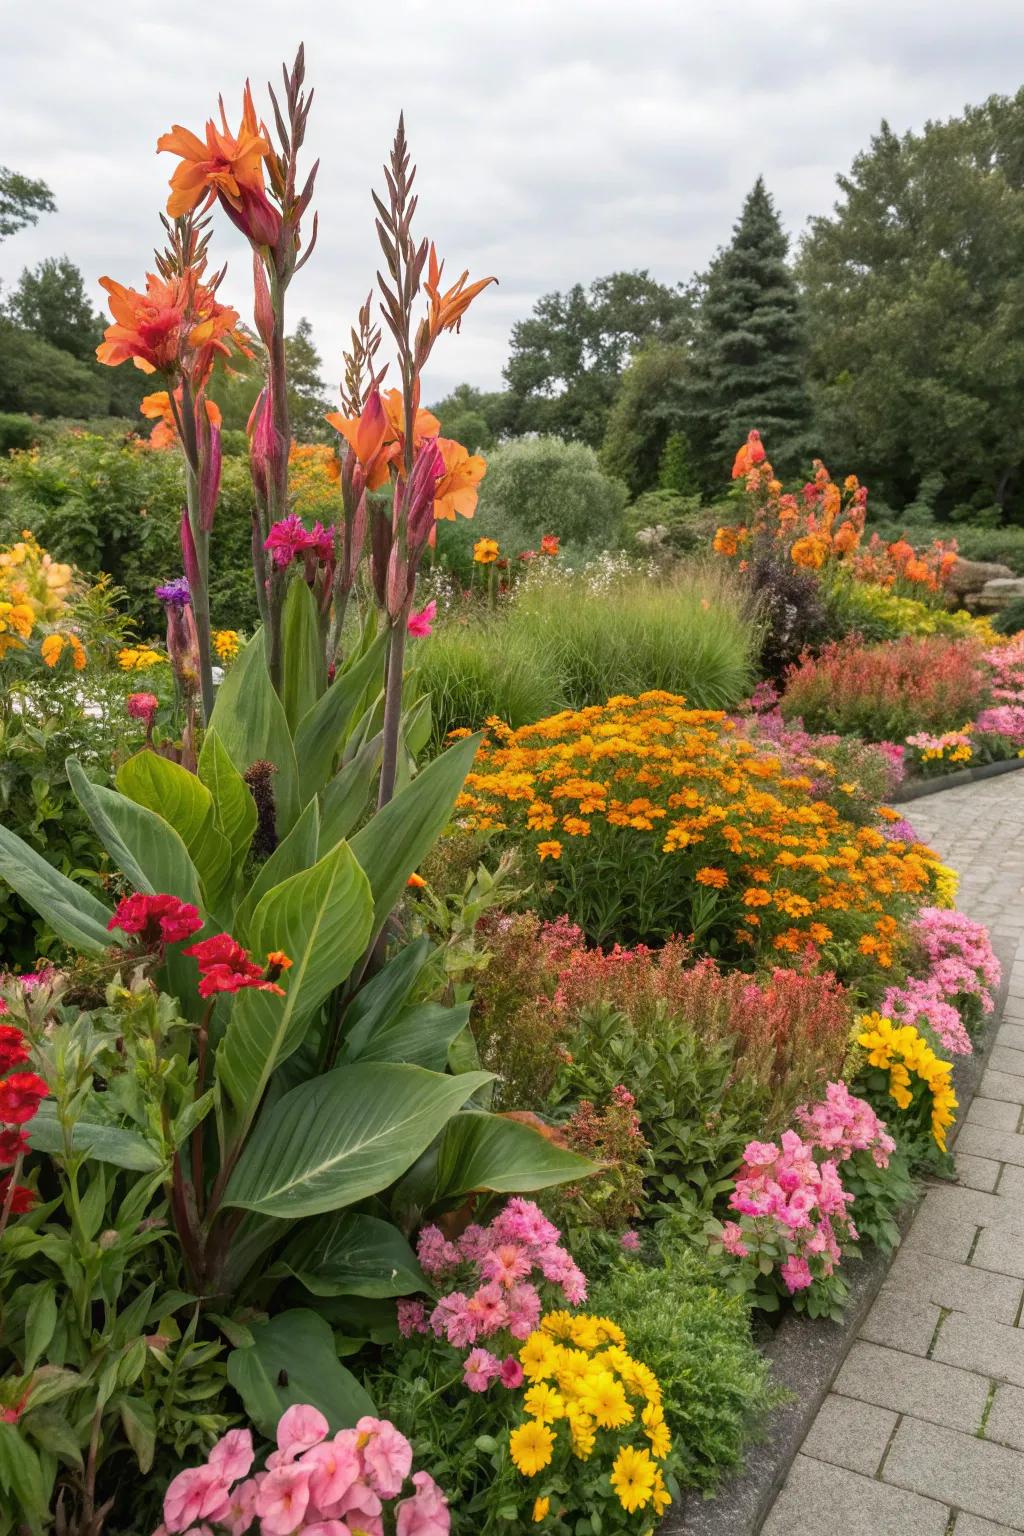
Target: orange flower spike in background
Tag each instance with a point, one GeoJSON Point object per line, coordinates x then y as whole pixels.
{"type": "Point", "coordinates": [447, 309]}
{"type": "Point", "coordinates": [227, 163]}
{"type": "Point", "coordinates": [456, 491]}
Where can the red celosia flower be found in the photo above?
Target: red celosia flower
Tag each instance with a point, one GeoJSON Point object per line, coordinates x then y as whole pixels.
{"type": "Point", "coordinates": [22, 1200]}
{"type": "Point", "coordinates": [159, 919]}
{"type": "Point", "coordinates": [13, 1145]}
{"type": "Point", "coordinates": [225, 966]}
{"type": "Point", "coordinates": [20, 1096]}
{"type": "Point", "coordinates": [142, 706]}
{"type": "Point", "coordinates": [13, 1050]}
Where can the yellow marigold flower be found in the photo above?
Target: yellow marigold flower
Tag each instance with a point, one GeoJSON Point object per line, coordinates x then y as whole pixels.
{"type": "Point", "coordinates": [707, 875]}
{"type": "Point", "coordinates": [138, 658]}
{"type": "Point", "coordinates": [549, 850]}
{"type": "Point", "coordinates": [227, 644]}
{"type": "Point", "coordinates": [530, 1446]}
{"type": "Point", "coordinates": [540, 1510]}
{"type": "Point", "coordinates": [633, 1478]}
{"type": "Point", "coordinates": [485, 551]}
{"type": "Point", "coordinates": [581, 1430]}
{"type": "Point", "coordinates": [661, 1498]}
{"type": "Point", "coordinates": [605, 1399]}
{"type": "Point", "coordinates": [544, 1403]}
{"type": "Point", "coordinates": [78, 657]}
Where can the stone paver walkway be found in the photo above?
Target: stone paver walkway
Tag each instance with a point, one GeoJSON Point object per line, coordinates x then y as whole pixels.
{"type": "Point", "coordinates": [923, 1431]}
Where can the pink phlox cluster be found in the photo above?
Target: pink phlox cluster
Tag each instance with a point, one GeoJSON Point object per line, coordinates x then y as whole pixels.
{"type": "Point", "coordinates": [841, 1124]}
{"type": "Point", "coordinates": [959, 954]}
{"type": "Point", "coordinates": [922, 998]}
{"type": "Point", "coordinates": [1004, 720]}
{"type": "Point", "coordinates": [805, 1199]}
{"type": "Point", "coordinates": [1007, 664]}
{"type": "Point", "coordinates": [498, 1272]}
{"type": "Point", "coordinates": [312, 1485]}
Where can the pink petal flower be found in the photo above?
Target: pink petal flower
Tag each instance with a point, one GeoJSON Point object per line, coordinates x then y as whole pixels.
{"type": "Point", "coordinates": [387, 1455]}
{"type": "Point", "coordinates": [282, 1499]}
{"type": "Point", "coordinates": [334, 1466]}
{"type": "Point", "coordinates": [232, 1456]}
{"type": "Point", "coordinates": [426, 1513]}
{"type": "Point", "coordinates": [300, 1426]}
{"type": "Point", "coordinates": [198, 1493]}
{"type": "Point", "coordinates": [420, 624]}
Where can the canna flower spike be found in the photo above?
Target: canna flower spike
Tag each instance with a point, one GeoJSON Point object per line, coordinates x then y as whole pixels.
{"type": "Point", "coordinates": [227, 165]}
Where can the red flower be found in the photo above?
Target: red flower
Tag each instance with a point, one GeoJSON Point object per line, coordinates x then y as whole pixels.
{"type": "Point", "coordinates": [12, 1146]}
{"type": "Point", "coordinates": [13, 1050]}
{"type": "Point", "coordinates": [226, 967]}
{"type": "Point", "coordinates": [22, 1200]}
{"type": "Point", "coordinates": [159, 919]}
{"type": "Point", "coordinates": [19, 1097]}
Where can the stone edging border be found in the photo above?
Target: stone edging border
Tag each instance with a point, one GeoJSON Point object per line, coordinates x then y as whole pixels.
{"type": "Point", "coordinates": [914, 789]}
{"type": "Point", "coordinates": [806, 1354]}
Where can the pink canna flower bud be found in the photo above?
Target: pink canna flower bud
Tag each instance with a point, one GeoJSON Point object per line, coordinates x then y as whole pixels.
{"type": "Point", "coordinates": [209, 476]}
{"type": "Point", "coordinates": [398, 580]}
{"type": "Point", "coordinates": [427, 470]}
{"type": "Point", "coordinates": [188, 553]}
{"type": "Point", "coordinates": [265, 445]}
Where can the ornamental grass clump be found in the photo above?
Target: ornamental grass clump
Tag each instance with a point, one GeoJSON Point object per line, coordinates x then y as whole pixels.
{"type": "Point", "coordinates": [647, 818]}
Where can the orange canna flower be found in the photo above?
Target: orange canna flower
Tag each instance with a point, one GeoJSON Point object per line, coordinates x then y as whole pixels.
{"type": "Point", "coordinates": [456, 491]}
{"type": "Point", "coordinates": [173, 326]}
{"type": "Point", "coordinates": [447, 309]}
{"type": "Point", "coordinates": [416, 882]}
{"type": "Point", "coordinates": [749, 456]}
{"type": "Point", "coordinates": [549, 544]}
{"type": "Point", "coordinates": [157, 407]}
{"type": "Point", "coordinates": [424, 423]}
{"type": "Point", "coordinates": [228, 163]}
{"type": "Point", "coordinates": [368, 435]}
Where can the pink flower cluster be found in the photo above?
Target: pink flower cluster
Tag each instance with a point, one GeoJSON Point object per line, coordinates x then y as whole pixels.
{"type": "Point", "coordinates": [841, 1124]}
{"type": "Point", "coordinates": [499, 1270]}
{"type": "Point", "coordinates": [1007, 664]}
{"type": "Point", "coordinates": [291, 540]}
{"type": "Point", "coordinates": [311, 1486]}
{"type": "Point", "coordinates": [959, 953]}
{"type": "Point", "coordinates": [1003, 720]}
{"type": "Point", "coordinates": [805, 1200]}
{"type": "Point", "coordinates": [922, 999]}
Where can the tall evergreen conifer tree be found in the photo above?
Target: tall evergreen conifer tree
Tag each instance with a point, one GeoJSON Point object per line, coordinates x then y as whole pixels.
{"type": "Point", "coordinates": [747, 360]}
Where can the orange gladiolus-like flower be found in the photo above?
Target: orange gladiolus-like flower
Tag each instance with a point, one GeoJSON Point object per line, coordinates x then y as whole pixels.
{"type": "Point", "coordinates": [231, 164]}
{"type": "Point", "coordinates": [172, 326]}
{"type": "Point", "coordinates": [448, 308]}
{"type": "Point", "coordinates": [456, 491]}
{"type": "Point", "coordinates": [157, 407]}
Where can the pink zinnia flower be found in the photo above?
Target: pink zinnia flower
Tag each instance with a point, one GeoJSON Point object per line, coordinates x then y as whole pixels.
{"type": "Point", "coordinates": [479, 1369]}
{"type": "Point", "coordinates": [420, 624]}
{"type": "Point", "coordinates": [511, 1373]}
{"type": "Point", "coordinates": [796, 1274]}
{"type": "Point", "coordinates": [506, 1264]}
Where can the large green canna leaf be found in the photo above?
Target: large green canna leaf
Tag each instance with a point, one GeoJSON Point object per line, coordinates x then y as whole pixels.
{"type": "Point", "coordinates": [303, 674]}
{"type": "Point", "coordinates": [488, 1152]}
{"type": "Point", "coordinates": [394, 841]}
{"type": "Point", "coordinates": [322, 919]}
{"type": "Point", "coordinates": [353, 1255]}
{"type": "Point", "coordinates": [292, 1359]}
{"type": "Point", "coordinates": [74, 913]}
{"type": "Point", "coordinates": [181, 799]}
{"type": "Point", "coordinates": [233, 805]}
{"type": "Point", "coordinates": [251, 723]}
{"type": "Point", "coordinates": [323, 731]}
{"type": "Point", "coordinates": [344, 1136]}
{"type": "Point", "coordinates": [386, 993]}
{"type": "Point", "coordinates": [296, 852]}
{"type": "Point", "coordinates": [145, 847]}
{"type": "Point", "coordinates": [347, 796]}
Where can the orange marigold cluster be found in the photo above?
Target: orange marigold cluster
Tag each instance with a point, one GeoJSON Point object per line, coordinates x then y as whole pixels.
{"type": "Point", "coordinates": [788, 872]}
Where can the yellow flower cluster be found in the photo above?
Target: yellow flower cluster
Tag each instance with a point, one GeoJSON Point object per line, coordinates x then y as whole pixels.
{"type": "Point", "coordinates": [138, 658]}
{"type": "Point", "coordinates": [682, 784]}
{"type": "Point", "coordinates": [584, 1381]}
{"type": "Point", "coordinates": [227, 644]}
{"type": "Point", "coordinates": [903, 1052]}
{"type": "Point", "coordinates": [945, 884]}
{"type": "Point", "coordinates": [34, 589]}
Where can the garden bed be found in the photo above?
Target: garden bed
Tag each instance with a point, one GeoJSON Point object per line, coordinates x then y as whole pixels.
{"type": "Point", "coordinates": [807, 1355]}
{"type": "Point", "coordinates": [916, 789]}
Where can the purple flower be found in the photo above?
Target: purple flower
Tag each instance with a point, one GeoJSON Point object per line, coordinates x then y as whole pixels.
{"type": "Point", "coordinates": [175, 593]}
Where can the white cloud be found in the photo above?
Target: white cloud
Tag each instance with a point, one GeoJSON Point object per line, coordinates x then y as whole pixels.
{"type": "Point", "coordinates": [557, 140]}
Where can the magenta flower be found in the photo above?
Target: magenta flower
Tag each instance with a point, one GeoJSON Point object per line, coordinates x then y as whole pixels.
{"type": "Point", "coordinates": [287, 539]}
{"type": "Point", "coordinates": [420, 624]}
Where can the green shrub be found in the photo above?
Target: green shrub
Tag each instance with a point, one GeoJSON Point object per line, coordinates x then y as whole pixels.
{"type": "Point", "coordinates": [535, 486]}
{"type": "Point", "coordinates": [1011, 620]}
{"type": "Point", "coordinates": [16, 432]}
{"type": "Point", "coordinates": [697, 1340]}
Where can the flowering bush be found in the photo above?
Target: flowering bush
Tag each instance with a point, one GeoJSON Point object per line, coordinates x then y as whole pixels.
{"type": "Point", "coordinates": [310, 1484]}
{"type": "Point", "coordinates": [647, 818]}
{"type": "Point", "coordinates": [901, 1065]}
{"type": "Point", "coordinates": [954, 993]}
{"type": "Point", "coordinates": [594, 1439]}
{"type": "Point", "coordinates": [37, 596]}
{"type": "Point", "coordinates": [884, 692]}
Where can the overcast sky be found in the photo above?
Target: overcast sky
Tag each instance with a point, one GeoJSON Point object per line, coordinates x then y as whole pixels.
{"type": "Point", "coordinates": [557, 140]}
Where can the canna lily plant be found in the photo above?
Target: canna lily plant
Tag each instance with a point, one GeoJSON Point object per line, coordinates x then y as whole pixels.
{"type": "Point", "coordinates": [324, 1096]}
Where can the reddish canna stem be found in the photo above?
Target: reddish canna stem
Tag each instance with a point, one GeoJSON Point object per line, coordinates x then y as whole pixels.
{"type": "Point", "coordinates": [15, 1175]}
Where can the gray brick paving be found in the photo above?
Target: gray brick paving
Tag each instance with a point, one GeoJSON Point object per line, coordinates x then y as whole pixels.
{"type": "Point", "coordinates": [923, 1433]}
